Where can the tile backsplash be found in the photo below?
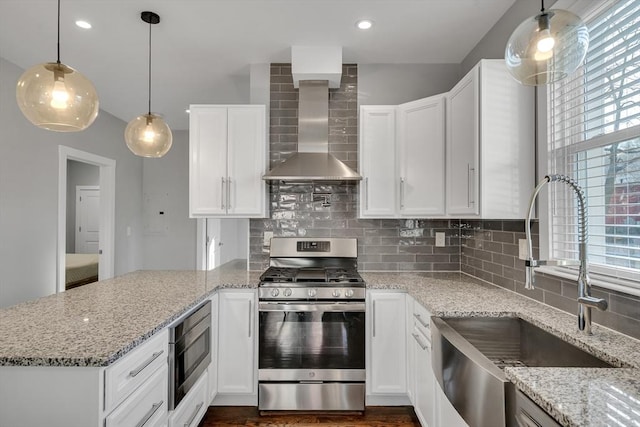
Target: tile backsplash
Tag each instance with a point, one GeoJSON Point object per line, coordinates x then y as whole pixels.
{"type": "Point", "coordinates": [487, 249]}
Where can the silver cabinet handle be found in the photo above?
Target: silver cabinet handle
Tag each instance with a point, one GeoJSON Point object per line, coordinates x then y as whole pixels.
{"type": "Point", "coordinates": [250, 318]}
{"type": "Point", "coordinates": [150, 414]}
{"type": "Point", "coordinates": [373, 318]}
{"type": "Point", "coordinates": [401, 193]}
{"type": "Point", "coordinates": [422, 322]}
{"type": "Point", "coordinates": [222, 194]}
{"type": "Point", "coordinates": [193, 416]}
{"type": "Point", "coordinates": [146, 363]}
{"type": "Point", "coordinates": [228, 192]}
{"type": "Point", "coordinates": [366, 193]}
{"type": "Point", "coordinates": [424, 346]}
{"type": "Point", "coordinates": [468, 185]}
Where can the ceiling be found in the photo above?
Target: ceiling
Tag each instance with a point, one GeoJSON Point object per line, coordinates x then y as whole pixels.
{"type": "Point", "coordinates": [202, 49]}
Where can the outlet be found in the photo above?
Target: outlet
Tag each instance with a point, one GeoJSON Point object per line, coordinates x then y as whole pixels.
{"type": "Point", "coordinates": [266, 239]}
{"type": "Point", "coordinates": [439, 239]}
{"type": "Point", "coordinates": [522, 248]}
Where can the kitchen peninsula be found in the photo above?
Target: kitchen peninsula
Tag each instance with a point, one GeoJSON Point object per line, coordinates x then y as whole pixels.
{"type": "Point", "coordinates": [93, 327]}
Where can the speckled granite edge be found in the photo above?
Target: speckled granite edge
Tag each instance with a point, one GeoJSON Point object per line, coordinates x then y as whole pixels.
{"type": "Point", "coordinates": [595, 394]}
{"type": "Point", "coordinates": [51, 339]}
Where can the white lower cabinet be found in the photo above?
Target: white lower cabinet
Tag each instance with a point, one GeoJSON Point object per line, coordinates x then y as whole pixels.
{"type": "Point", "coordinates": [147, 406]}
{"type": "Point", "coordinates": [193, 406]}
{"type": "Point", "coordinates": [386, 361]}
{"type": "Point", "coordinates": [420, 344]}
{"type": "Point", "coordinates": [213, 366]}
{"type": "Point", "coordinates": [237, 345]}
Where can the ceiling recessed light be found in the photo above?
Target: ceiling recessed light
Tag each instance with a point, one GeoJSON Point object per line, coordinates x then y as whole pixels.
{"type": "Point", "coordinates": [187, 111]}
{"type": "Point", "coordinates": [364, 24]}
{"type": "Point", "coordinates": [83, 24]}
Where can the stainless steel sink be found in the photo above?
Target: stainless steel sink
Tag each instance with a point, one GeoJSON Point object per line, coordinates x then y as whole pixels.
{"type": "Point", "coordinates": [469, 354]}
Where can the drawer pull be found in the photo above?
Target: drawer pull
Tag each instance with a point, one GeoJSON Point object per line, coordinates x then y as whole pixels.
{"type": "Point", "coordinates": [424, 346]}
{"type": "Point", "coordinates": [153, 357]}
{"type": "Point", "coordinates": [150, 414]}
{"type": "Point", "coordinates": [193, 416]}
{"type": "Point", "coordinates": [422, 322]}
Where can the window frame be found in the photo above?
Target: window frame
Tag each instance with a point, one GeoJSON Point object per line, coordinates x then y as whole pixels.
{"type": "Point", "coordinates": [630, 286]}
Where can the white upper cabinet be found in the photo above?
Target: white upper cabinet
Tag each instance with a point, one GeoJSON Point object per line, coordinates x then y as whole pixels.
{"type": "Point", "coordinates": [490, 144]}
{"type": "Point", "coordinates": [421, 157]}
{"type": "Point", "coordinates": [227, 158]}
{"type": "Point", "coordinates": [377, 159]}
{"type": "Point", "coordinates": [402, 154]}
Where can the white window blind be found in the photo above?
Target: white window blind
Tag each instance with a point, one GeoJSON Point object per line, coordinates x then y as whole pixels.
{"type": "Point", "coordinates": [594, 137]}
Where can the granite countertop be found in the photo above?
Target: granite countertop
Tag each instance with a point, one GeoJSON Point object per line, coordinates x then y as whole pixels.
{"type": "Point", "coordinates": [96, 324]}
{"type": "Point", "coordinates": [575, 397]}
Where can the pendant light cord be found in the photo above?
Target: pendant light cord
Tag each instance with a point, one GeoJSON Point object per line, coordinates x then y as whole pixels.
{"type": "Point", "coordinates": [542, 4]}
{"type": "Point", "coordinates": [58, 32]}
{"type": "Point", "coordinates": [149, 68]}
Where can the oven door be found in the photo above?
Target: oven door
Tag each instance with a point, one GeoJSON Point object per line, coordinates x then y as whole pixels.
{"type": "Point", "coordinates": [311, 341]}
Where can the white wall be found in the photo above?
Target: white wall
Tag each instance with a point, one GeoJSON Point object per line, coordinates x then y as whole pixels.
{"type": "Point", "coordinates": [29, 195]}
{"type": "Point", "coordinates": [166, 189]}
{"type": "Point", "coordinates": [78, 173]}
{"type": "Point", "coordinates": [393, 84]}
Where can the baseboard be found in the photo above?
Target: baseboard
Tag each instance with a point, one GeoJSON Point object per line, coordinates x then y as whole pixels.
{"type": "Point", "coordinates": [387, 400]}
{"type": "Point", "coordinates": [235, 400]}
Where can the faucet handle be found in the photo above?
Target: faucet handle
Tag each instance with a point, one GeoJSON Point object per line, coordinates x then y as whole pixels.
{"type": "Point", "coordinates": [599, 303]}
{"type": "Point", "coordinates": [551, 262]}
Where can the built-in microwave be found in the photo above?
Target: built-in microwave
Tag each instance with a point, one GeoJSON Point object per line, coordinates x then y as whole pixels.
{"type": "Point", "coordinates": [189, 351]}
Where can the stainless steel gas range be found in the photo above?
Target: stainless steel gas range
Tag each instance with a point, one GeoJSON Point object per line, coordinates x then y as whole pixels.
{"type": "Point", "coordinates": [312, 327]}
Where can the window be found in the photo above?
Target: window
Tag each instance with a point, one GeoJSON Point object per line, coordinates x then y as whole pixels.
{"type": "Point", "coordinates": [594, 136]}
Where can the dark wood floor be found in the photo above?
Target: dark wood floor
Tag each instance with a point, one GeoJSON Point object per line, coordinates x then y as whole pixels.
{"type": "Point", "coordinates": [227, 416]}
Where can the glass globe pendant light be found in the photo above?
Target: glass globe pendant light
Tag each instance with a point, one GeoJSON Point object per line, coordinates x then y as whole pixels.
{"type": "Point", "coordinates": [148, 135]}
{"type": "Point", "coordinates": [56, 97]}
{"type": "Point", "coordinates": [547, 47]}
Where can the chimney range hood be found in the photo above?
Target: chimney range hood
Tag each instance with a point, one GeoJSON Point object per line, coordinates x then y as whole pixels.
{"type": "Point", "coordinates": [314, 71]}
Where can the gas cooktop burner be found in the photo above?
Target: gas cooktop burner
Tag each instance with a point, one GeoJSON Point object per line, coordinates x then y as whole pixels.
{"type": "Point", "coordinates": [311, 275]}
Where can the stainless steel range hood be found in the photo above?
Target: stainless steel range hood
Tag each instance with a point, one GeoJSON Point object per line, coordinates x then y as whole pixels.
{"type": "Point", "coordinates": [312, 162]}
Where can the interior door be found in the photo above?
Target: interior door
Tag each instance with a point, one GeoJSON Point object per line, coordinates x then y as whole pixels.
{"type": "Point", "coordinates": [87, 219]}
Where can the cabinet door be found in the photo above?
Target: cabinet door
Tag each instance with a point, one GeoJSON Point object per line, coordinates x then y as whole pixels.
{"type": "Point", "coordinates": [425, 379]}
{"type": "Point", "coordinates": [207, 160]}
{"type": "Point", "coordinates": [387, 357]}
{"type": "Point", "coordinates": [463, 146]}
{"type": "Point", "coordinates": [377, 161]}
{"type": "Point", "coordinates": [421, 157]}
{"type": "Point", "coordinates": [246, 190]}
{"type": "Point", "coordinates": [236, 342]}
{"type": "Point", "coordinates": [213, 366]}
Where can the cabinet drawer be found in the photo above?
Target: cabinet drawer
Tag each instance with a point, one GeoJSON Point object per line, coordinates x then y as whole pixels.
{"type": "Point", "coordinates": [422, 319]}
{"type": "Point", "coordinates": [147, 406]}
{"type": "Point", "coordinates": [135, 368]}
{"type": "Point", "coordinates": [192, 408]}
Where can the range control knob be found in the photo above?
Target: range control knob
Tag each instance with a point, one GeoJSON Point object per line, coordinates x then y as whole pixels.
{"type": "Point", "coordinates": [311, 293]}
{"type": "Point", "coordinates": [287, 292]}
{"type": "Point", "coordinates": [275, 292]}
{"type": "Point", "coordinates": [336, 293]}
{"type": "Point", "coordinates": [348, 293]}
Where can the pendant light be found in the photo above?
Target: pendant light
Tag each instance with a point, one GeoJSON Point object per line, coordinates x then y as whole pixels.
{"type": "Point", "coordinates": [56, 97]}
{"type": "Point", "coordinates": [148, 135]}
{"type": "Point", "coordinates": [547, 47]}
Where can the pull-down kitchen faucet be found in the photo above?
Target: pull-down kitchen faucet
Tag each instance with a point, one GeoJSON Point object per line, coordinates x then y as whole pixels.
{"type": "Point", "coordinates": [585, 300]}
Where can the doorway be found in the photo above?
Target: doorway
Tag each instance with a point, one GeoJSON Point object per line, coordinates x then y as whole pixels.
{"type": "Point", "coordinates": [97, 238]}
{"type": "Point", "coordinates": [221, 240]}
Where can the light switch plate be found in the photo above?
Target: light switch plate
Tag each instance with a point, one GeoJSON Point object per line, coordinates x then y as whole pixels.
{"type": "Point", "coordinates": [439, 239]}
{"type": "Point", "coordinates": [266, 238]}
{"type": "Point", "coordinates": [522, 248]}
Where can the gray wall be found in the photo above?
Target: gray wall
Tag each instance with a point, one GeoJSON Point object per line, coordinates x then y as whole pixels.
{"type": "Point", "coordinates": [78, 173]}
{"type": "Point", "coordinates": [29, 195]}
{"type": "Point", "coordinates": [166, 189]}
{"type": "Point", "coordinates": [380, 84]}
{"type": "Point", "coordinates": [493, 44]}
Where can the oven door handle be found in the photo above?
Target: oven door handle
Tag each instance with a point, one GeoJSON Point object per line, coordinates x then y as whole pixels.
{"type": "Point", "coordinates": [313, 306]}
